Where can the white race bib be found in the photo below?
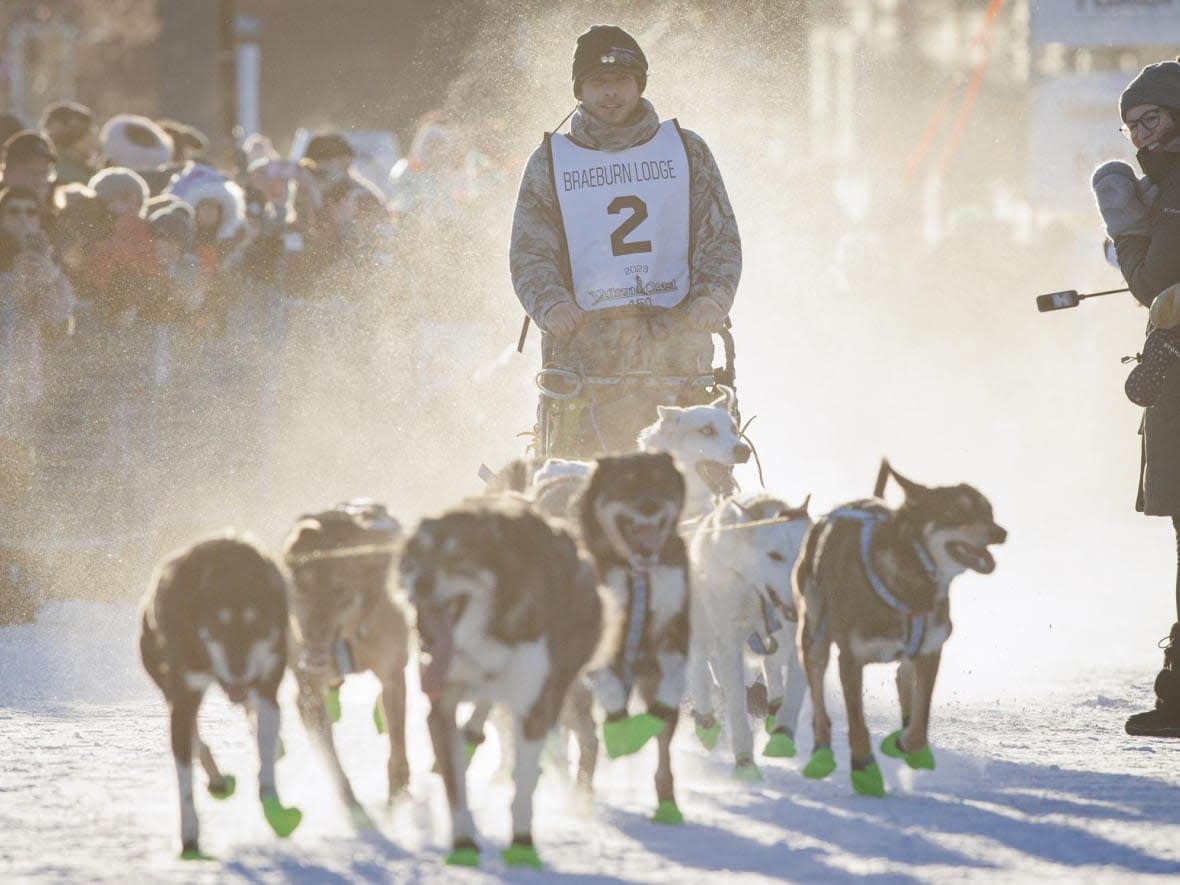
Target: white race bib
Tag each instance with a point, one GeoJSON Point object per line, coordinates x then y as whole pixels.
{"type": "Point", "coordinates": [625, 215]}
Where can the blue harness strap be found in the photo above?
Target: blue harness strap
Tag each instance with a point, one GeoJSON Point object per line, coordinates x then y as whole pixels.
{"type": "Point", "coordinates": [869, 519]}
{"type": "Point", "coordinates": [637, 607]}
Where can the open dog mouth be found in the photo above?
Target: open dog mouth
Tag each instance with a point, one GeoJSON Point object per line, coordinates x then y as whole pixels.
{"type": "Point", "coordinates": [645, 537]}
{"type": "Point", "coordinates": [717, 476]}
{"type": "Point", "coordinates": [975, 558]}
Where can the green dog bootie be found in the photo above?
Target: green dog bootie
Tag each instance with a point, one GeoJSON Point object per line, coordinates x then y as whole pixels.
{"type": "Point", "coordinates": [866, 778]}
{"type": "Point", "coordinates": [223, 786]}
{"type": "Point", "coordinates": [192, 852]}
{"type": "Point", "coordinates": [379, 715]}
{"type": "Point", "coordinates": [464, 854]}
{"type": "Point", "coordinates": [332, 704]}
{"type": "Point", "coordinates": [668, 812]}
{"type": "Point", "coordinates": [922, 759]}
{"type": "Point", "coordinates": [628, 735]}
{"type": "Point", "coordinates": [282, 820]}
{"type": "Point", "coordinates": [821, 764]}
{"type": "Point", "coordinates": [708, 729]}
{"type": "Point", "coordinates": [745, 770]}
{"type": "Point", "coordinates": [780, 746]}
{"type": "Point", "coordinates": [521, 853]}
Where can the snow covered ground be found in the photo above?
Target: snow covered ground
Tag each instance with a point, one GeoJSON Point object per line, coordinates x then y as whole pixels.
{"type": "Point", "coordinates": [1035, 778]}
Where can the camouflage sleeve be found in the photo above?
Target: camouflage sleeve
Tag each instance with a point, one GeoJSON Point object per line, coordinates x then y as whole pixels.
{"type": "Point", "coordinates": [536, 252]}
{"type": "Point", "coordinates": [717, 248]}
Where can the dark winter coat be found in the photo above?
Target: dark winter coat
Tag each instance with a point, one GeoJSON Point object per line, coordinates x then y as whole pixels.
{"type": "Point", "coordinates": [1150, 264]}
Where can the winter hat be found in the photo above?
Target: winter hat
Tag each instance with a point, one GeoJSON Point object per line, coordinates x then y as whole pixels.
{"type": "Point", "coordinates": [1157, 84]}
{"type": "Point", "coordinates": [196, 183]}
{"type": "Point", "coordinates": [135, 142]}
{"type": "Point", "coordinates": [116, 182]}
{"type": "Point", "coordinates": [184, 137]}
{"type": "Point", "coordinates": [173, 222]}
{"type": "Point", "coordinates": [328, 146]}
{"type": "Point", "coordinates": [66, 122]}
{"type": "Point", "coordinates": [608, 48]}
{"type": "Point", "coordinates": [28, 144]}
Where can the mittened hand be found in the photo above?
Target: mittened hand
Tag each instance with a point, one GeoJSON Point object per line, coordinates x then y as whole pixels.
{"type": "Point", "coordinates": [1116, 191]}
{"type": "Point", "coordinates": [1146, 380]}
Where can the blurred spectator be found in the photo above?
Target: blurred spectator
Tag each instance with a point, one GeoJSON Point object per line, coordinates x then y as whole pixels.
{"type": "Point", "coordinates": [36, 300]}
{"type": "Point", "coordinates": [331, 160]}
{"type": "Point", "coordinates": [441, 173]}
{"type": "Point", "coordinates": [28, 160]}
{"type": "Point", "coordinates": [139, 144]}
{"type": "Point", "coordinates": [82, 220]}
{"type": "Point", "coordinates": [121, 266]}
{"type": "Point", "coordinates": [70, 126]}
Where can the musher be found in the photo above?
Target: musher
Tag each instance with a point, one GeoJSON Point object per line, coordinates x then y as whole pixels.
{"type": "Point", "coordinates": [625, 252]}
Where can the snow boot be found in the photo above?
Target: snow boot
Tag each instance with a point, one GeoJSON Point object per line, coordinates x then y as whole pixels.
{"type": "Point", "coordinates": [1164, 720]}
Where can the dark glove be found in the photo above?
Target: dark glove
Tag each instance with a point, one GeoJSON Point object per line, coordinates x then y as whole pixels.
{"type": "Point", "coordinates": [1146, 380]}
{"type": "Point", "coordinates": [1116, 189]}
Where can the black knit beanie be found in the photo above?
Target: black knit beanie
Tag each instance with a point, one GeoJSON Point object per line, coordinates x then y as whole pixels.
{"type": "Point", "coordinates": [1157, 84]}
{"type": "Point", "coordinates": [608, 48]}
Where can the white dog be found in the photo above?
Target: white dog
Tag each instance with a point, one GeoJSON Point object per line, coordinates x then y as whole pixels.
{"type": "Point", "coordinates": [743, 554]}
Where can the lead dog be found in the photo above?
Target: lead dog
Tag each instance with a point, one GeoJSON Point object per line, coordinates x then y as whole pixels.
{"type": "Point", "coordinates": [630, 511]}
{"type": "Point", "coordinates": [217, 612]}
{"type": "Point", "coordinates": [507, 613]}
{"type": "Point", "coordinates": [742, 555]}
{"type": "Point", "coordinates": [876, 582]}
{"type": "Point", "coordinates": [344, 621]}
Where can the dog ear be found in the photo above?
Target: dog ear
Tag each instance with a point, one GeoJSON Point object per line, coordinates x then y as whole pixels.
{"type": "Point", "coordinates": [726, 399]}
{"type": "Point", "coordinates": [908, 486]}
{"type": "Point", "coordinates": [668, 414]}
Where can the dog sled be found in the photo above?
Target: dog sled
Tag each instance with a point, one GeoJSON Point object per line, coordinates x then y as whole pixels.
{"type": "Point", "coordinates": [599, 387]}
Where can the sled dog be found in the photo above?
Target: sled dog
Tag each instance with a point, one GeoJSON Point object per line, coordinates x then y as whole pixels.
{"type": "Point", "coordinates": [217, 612]}
{"type": "Point", "coordinates": [742, 555]}
{"type": "Point", "coordinates": [345, 621]}
{"type": "Point", "coordinates": [630, 511]}
{"type": "Point", "coordinates": [507, 613]}
{"type": "Point", "coordinates": [876, 582]}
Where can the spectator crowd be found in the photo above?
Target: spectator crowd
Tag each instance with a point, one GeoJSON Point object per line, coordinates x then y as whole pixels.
{"type": "Point", "coordinates": [156, 306]}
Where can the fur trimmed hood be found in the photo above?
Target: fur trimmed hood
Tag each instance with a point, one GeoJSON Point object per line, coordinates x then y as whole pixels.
{"type": "Point", "coordinates": [197, 182]}
{"type": "Point", "coordinates": [135, 142]}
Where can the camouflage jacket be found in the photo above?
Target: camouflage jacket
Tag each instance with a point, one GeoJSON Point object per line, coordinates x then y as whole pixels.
{"type": "Point", "coordinates": [539, 271]}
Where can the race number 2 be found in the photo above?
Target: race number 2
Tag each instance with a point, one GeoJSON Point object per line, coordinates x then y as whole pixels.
{"type": "Point", "coordinates": [618, 239]}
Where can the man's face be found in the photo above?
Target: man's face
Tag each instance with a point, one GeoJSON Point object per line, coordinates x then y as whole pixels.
{"type": "Point", "coordinates": [20, 218]}
{"type": "Point", "coordinates": [35, 174]}
{"type": "Point", "coordinates": [611, 96]}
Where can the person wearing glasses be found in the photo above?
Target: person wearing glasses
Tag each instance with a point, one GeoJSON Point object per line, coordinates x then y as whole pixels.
{"type": "Point", "coordinates": [1142, 217]}
{"type": "Point", "coordinates": [624, 251]}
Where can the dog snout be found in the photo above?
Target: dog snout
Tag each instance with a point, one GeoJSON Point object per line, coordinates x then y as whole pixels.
{"type": "Point", "coordinates": [741, 453]}
{"type": "Point", "coordinates": [649, 506]}
{"type": "Point", "coordinates": [999, 534]}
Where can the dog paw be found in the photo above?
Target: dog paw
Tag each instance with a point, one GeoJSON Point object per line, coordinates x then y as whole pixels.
{"type": "Point", "coordinates": [668, 812]}
{"type": "Point", "coordinates": [222, 786]}
{"type": "Point", "coordinates": [708, 729]}
{"type": "Point", "coordinates": [464, 854]}
{"type": "Point", "coordinates": [281, 819]}
{"type": "Point", "coordinates": [821, 764]}
{"type": "Point", "coordinates": [919, 760]}
{"type": "Point", "coordinates": [745, 771]}
{"type": "Point", "coordinates": [867, 780]}
{"type": "Point", "coordinates": [332, 704]}
{"type": "Point", "coordinates": [780, 746]}
{"type": "Point", "coordinates": [628, 735]}
{"type": "Point", "coordinates": [521, 853]}
{"type": "Point", "coordinates": [190, 851]}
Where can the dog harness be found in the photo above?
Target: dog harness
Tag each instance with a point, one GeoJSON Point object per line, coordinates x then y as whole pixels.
{"type": "Point", "coordinates": [869, 519]}
{"type": "Point", "coordinates": [638, 596]}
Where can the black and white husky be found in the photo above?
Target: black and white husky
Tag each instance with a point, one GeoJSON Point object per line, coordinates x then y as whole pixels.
{"type": "Point", "coordinates": [217, 613]}
{"type": "Point", "coordinates": [630, 512]}
{"type": "Point", "coordinates": [507, 613]}
{"type": "Point", "coordinates": [743, 607]}
{"type": "Point", "coordinates": [345, 621]}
